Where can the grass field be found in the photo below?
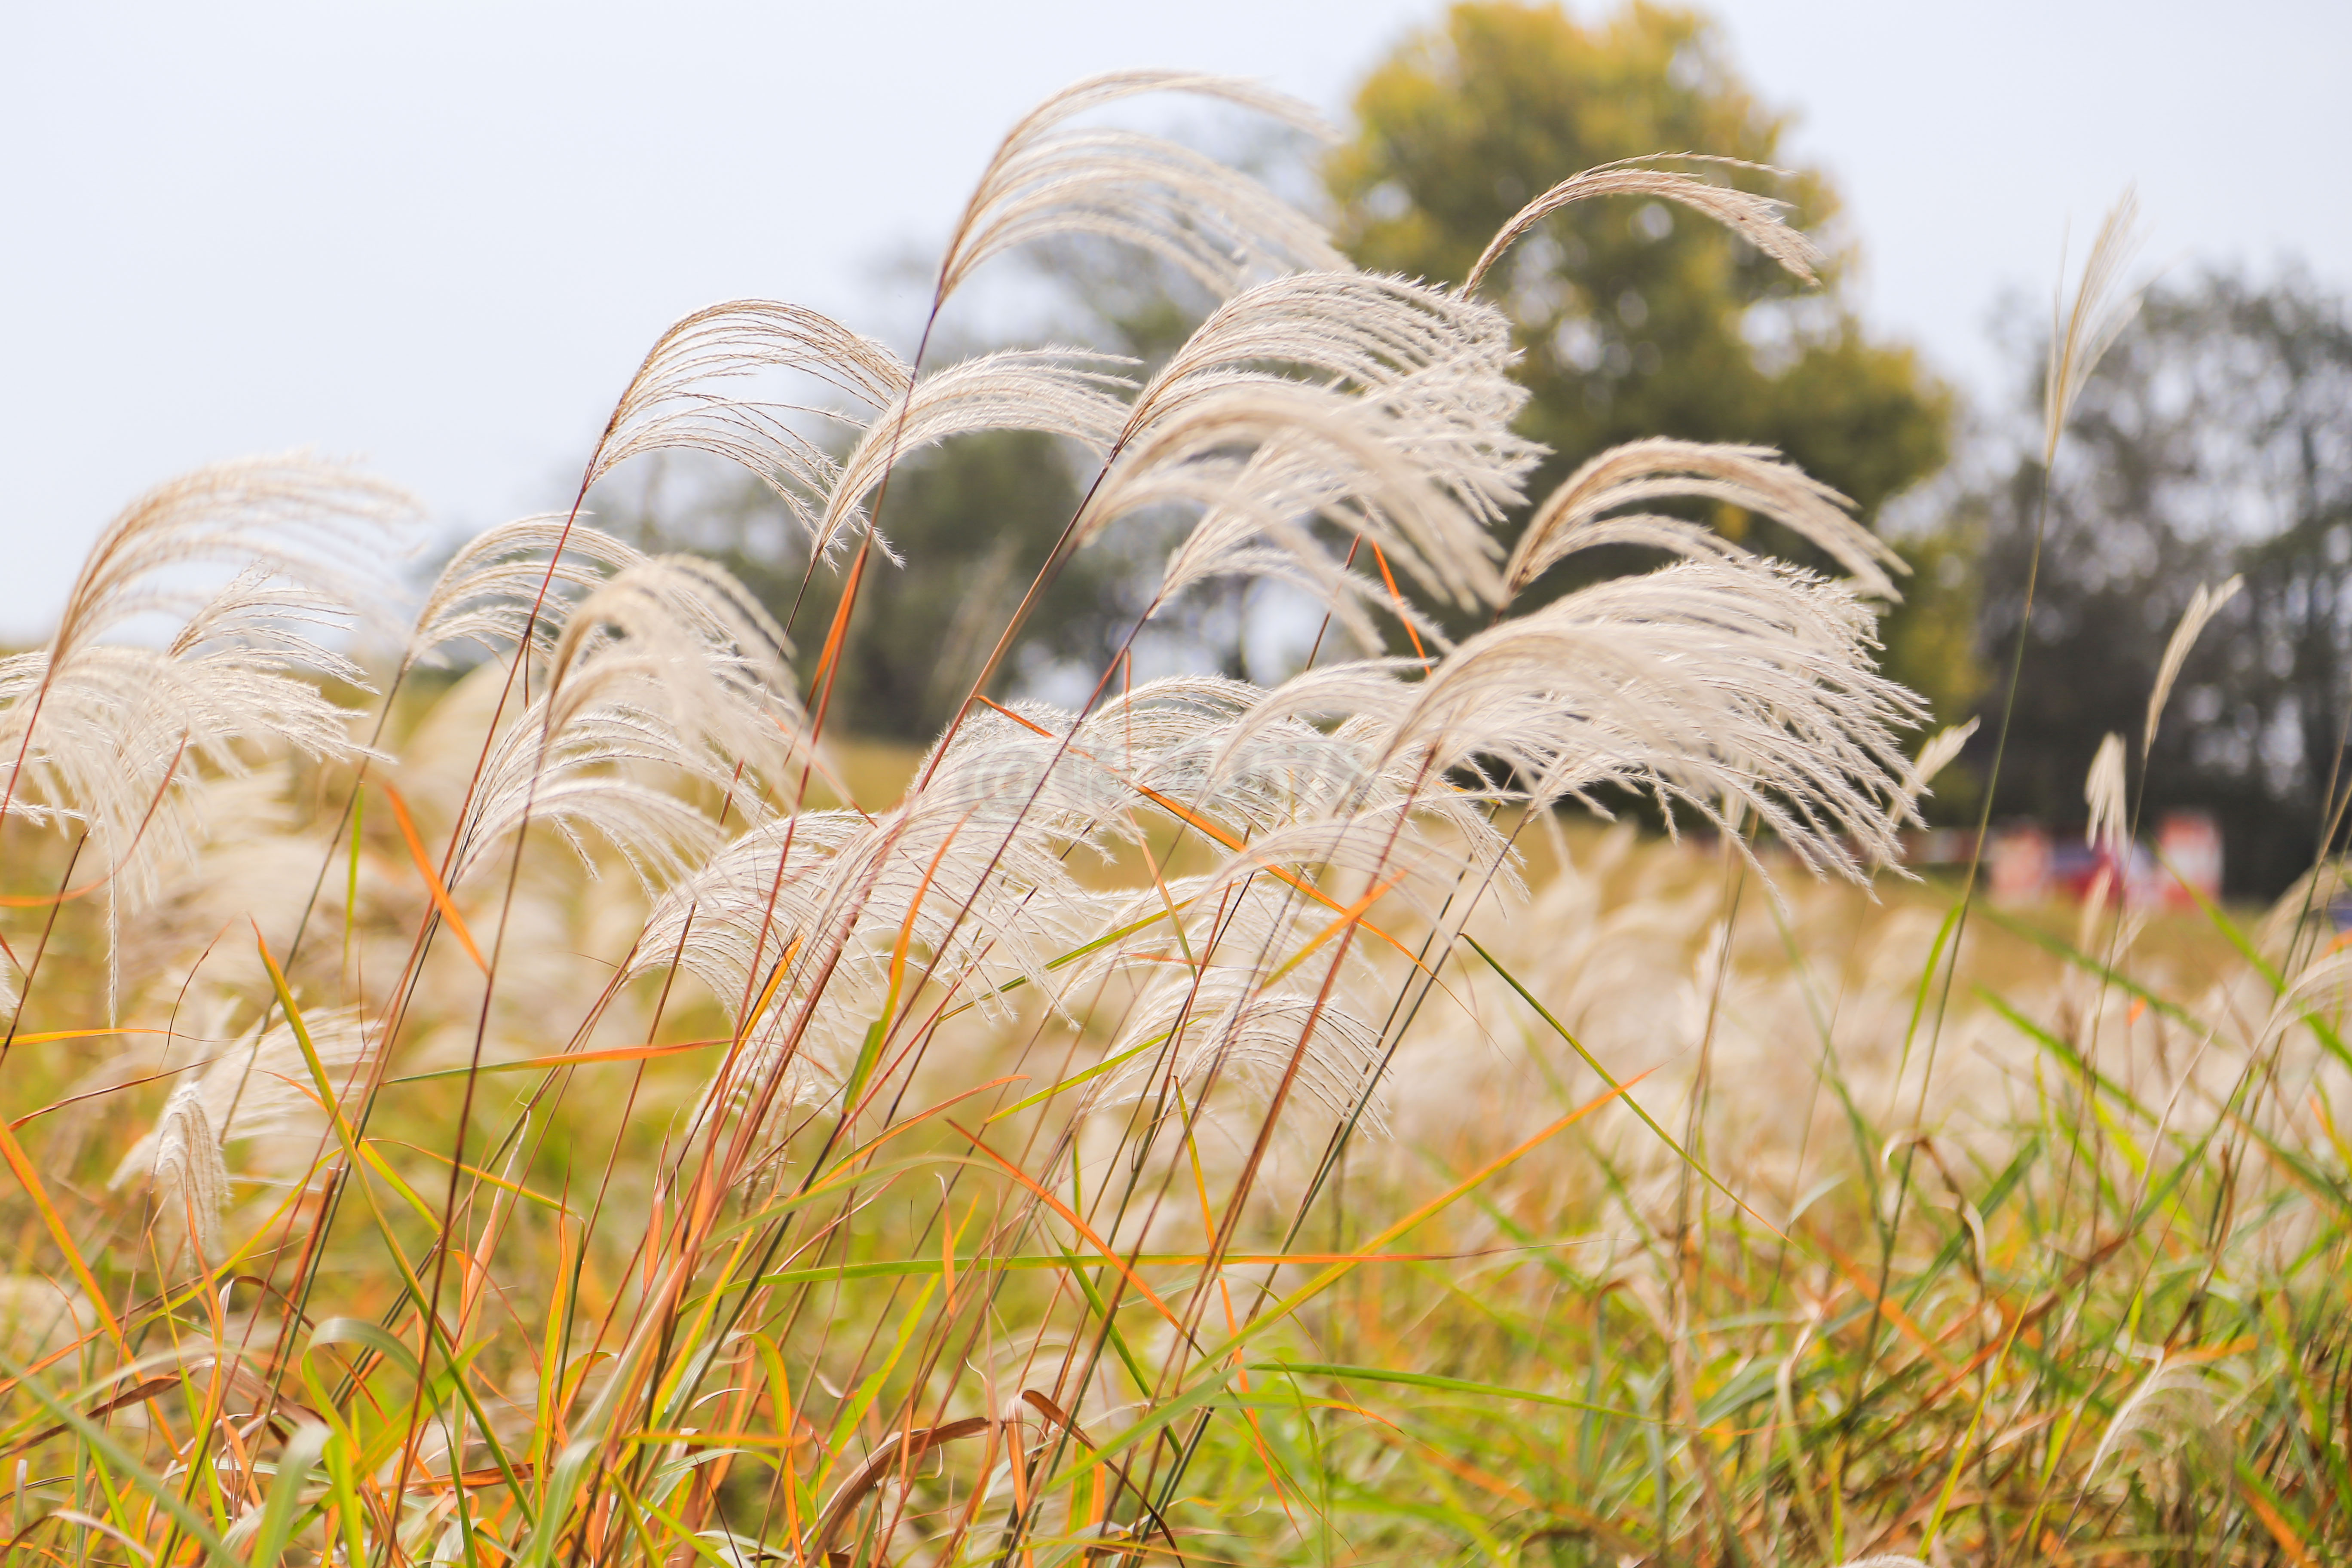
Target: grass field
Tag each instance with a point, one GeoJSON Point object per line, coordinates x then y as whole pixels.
{"type": "Point", "coordinates": [2108, 1325]}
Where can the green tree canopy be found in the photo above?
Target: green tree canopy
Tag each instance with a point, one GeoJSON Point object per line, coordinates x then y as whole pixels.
{"type": "Point", "coordinates": [1637, 319]}
{"type": "Point", "coordinates": [973, 519]}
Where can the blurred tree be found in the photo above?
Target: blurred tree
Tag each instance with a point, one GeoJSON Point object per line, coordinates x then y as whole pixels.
{"type": "Point", "coordinates": [973, 520]}
{"type": "Point", "coordinates": [1637, 319]}
{"type": "Point", "coordinates": [2215, 438]}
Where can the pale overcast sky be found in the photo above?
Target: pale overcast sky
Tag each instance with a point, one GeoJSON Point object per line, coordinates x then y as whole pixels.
{"type": "Point", "coordinates": [437, 237]}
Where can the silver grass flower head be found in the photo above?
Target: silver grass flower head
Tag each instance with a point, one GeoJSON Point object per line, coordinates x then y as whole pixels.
{"type": "Point", "coordinates": [309, 522]}
{"type": "Point", "coordinates": [1717, 683]}
{"type": "Point", "coordinates": [1228, 1029]}
{"type": "Point", "coordinates": [490, 588]}
{"type": "Point", "coordinates": [190, 1178]}
{"type": "Point", "coordinates": [685, 628]}
{"type": "Point", "coordinates": [257, 1087]}
{"type": "Point", "coordinates": [967, 875]}
{"type": "Point", "coordinates": [119, 739]}
{"type": "Point", "coordinates": [1588, 509]}
{"type": "Point", "coordinates": [1754, 218]}
{"type": "Point", "coordinates": [665, 685]}
{"type": "Point", "coordinates": [1937, 755]}
{"type": "Point", "coordinates": [680, 399]}
{"type": "Point", "coordinates": [2104, 790]}
{"type": "Point", "coordinates": [972, 872]}
{"type": "Point", "coordinates": [1212, 222]}
{"type": "Point", "coordinates": [606, 773]}
{"type": "Point", "coordinates": [1262, 461]}
{"type": "Point", "coordinates": [2082, 330]}
{"type": "Point", "coordinates": [1375, 405]}
{"type": "Point", "coordinates": [1070, 393]}
{"type": "Point", "coordinates": [2203, 605]}
{"type": "Point", "coordinates": [1357, 331]}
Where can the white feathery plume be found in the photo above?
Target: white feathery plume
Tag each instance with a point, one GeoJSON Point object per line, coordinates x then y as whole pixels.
{"type": "Point", "coordinates": [1357, 330]}
{"type": "Point", "coordinates": [1227, 982]}
{"type": "Point", "coordinates": [1262, 419]}
{"type": "Point", "coordinates": [1725, 685]}
{"type": "Point", "coordinates": [1308, 406]}
{"type": "Point", "coordinates": [830, 895]}
{"type": "Point", "coordinates": [1227, 1024]}
{"type": "Point", "coordinates": [1225, 751]}
{"type": "Point", "coordinates": [593, 778]}
{"type": "Point", "coordinates": [291, 517]}
{"type": "Point", "coordinates": [1264, 461]}
{"type": "Point", "coordinates": [1731, 686]}
{"type": "Point", "coordinates": [666, 673]}
{"type": "Point", "coordinates": [674, 401]}
{"type": "Point", "coordinates": [121, 739]}
{"type": "Point", "coordinates": [259, 1086]}
{"type": "Point", "coordinates": [1214, 223]}
{"type": "Point", "coordinates": [684, 626]}
{"type": "Point", "coordinates": [1754, 218]}
{"type": "Point", "coordinates": [2081, 332]}
{"type": "Point", "coordinates": [2203, 605]}
{"type": "Point", "coordinates": [1058, 390]}
{"type": "Point", "coordinates": [2104, 790]}
{"type": "Point", "coordinates": [1577, 517]}
{"type": "Point", "coordinates": [970, 871]}
{"type": "Point", "coordinates": [1935, 757]}
{"type": "Point", "coordinates": [484, 595]}
{"type": "Point", "coordinates": [2175, 1394]}
{"type": "Point", "coordinates": [191, 1180]}
{"type": "Point", "coordinates": [1330, 401]}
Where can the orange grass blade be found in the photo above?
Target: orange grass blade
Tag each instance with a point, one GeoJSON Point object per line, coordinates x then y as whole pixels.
{"type": "Point", "coordinates": [768, 991]}
{"type": "Point", "coordinates": [1893, 1313]}
{"type": "Point", "coordinates": [2273, 1520]}
{"type": "Point", "coordinates": [433, 880]}
{"type": "Point", "coordinates": [919, 1117]}
{"type": "Point", "coordinates": [46, 1035]}
{"type": "Point", "coordinates": [569, 1060]}
{"type": "Point", "coordinates": [1390, 578]}
{"type": "Point", "coordinates": [1352, 915]}
{"type": "Point", "coordinates": [1109, 1253]}
{"type": "Point", "coordinates": [1336, 1271]}
{"type": "Point", "coordinates": [14, 1153]}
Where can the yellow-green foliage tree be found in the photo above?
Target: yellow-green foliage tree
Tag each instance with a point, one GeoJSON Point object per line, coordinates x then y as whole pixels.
{"type": "Point", "coordinates": [1638, 319]}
